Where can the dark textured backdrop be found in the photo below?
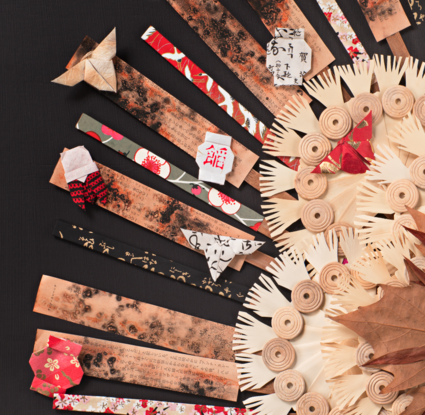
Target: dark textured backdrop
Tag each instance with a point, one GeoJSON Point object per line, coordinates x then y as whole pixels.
{"type": "Point", "coordinates": [37, 122]}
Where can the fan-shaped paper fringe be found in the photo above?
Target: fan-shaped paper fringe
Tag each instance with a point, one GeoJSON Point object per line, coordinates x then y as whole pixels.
{"type": "Point", "coordinates": [372, 267]}
{"type": "Point", "coordinates": [251, 336]}
{"type": "Point", "coordinates": [298, 116]}
{"type": "Point", "coordinates": [288, 269]}
{"type": "Point", "coordinates": [276, 178]}
{"type": "Point", "coordinates": [359, 80]}
{"type": "Point", "coordinates": [326, 88]}
{"type": "Point", "coordinates": [415, 80]}
{"type": "Point", "coordinates": [319, 253]}
{"type": "Point", "coordinates": [364, 407]}
{"type": "Point", "coordinates": [351, 245]}
{"type": "Point", "coordinates": [391, 74]}
{"type": "Point", "coordinates": [320, 385]}
{"type": "Point", "coordinates": [297, 239]}
{"type": "Point", "coordinates": [265, 301]}
{"type": "Point", "coordinates": [394, 253]}
{"type": "Point", "coordinates": [338, 359]}
{"type": "Point", "coordinates": [316, 318]}
{"type": "Point", "coordinates": [252, 372]}
{"type": "Point", "coordinates": [268, 405]}
{"type": "Point", "coordinates": [334, 332]}
{"type": "Point", "coordinates": [353, 297]}
{"type": "Point", "coordinates": [347, 389]}
{"type": "Point", "coordinates": [371, 198]}
{"type": "Point", "coordinates": [284, 142]}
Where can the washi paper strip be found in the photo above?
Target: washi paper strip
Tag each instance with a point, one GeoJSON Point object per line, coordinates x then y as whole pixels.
{"type": "Point", "coordinates": [135, 319]}
{"type": "Point", "coordinates": [232, 43]}
{"type": "Point", "coordinates": [385, 17]}
{"type": "Point", "coordinates": [160, 213]}
{"type": "Point", "coordinates": [151, 367]}
{"type": "Point", "coordinates": [149, 261]}
{"type": "Point", "coordinates": [168, 116]}
{"type": "Point", "coordinates": [171, 173]}
{"type": "Point", "coordinates": [418, 10]}
{"type": "Point", "coordinates": [122, 406]}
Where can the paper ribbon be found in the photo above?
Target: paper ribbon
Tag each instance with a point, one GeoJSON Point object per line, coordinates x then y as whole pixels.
{"type": "Point", "coordinates": [352, 152]}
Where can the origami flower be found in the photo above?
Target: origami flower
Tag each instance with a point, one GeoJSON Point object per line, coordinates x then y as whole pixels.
{"type": "Point", "coordinates": [152, 162]}
{"type": "Point", "coordinates": [228, 205]}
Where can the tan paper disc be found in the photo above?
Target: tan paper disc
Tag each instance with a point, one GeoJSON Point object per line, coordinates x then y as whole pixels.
{"type": "Point", "coordinates": [278, 354]}
{"type": "Point", "coordinates": [287, 323]}
{"type": "Point", "coordinates": [402, 193]}
{"type": "Point", "coordinates": [364, 353]}
{"type": "Point", "coordinates": [417, 172]}
{"type": "Point", "coordinates": [313, 148]}
{"type": "Point", "coordinates": [383, 411]}
{"type": "Point", "coordinates": [397, 101]}
{"type": "Point", "coordinates": [289, 385]}
{"type": "Point", "coordinates": [376, 383]}
{"type": "Point", "coordinates": [337, 227]}
{"type": "Point", "coordinates": [335, 123]}
{"type": "Point", "coordinates": [401, 403]}
{"type": "Point", "coordinates": [317, 215]}
{"type": "Point", "coordinates": [307, 296]}
{"type": "Point", "coordinates": [393, 283]}
{"type": "Point", "coordinates": [419, 261]}
{"type": "Point", "coordinates": [397, 227]}
{"type": "Point", "coordinates": [365, 284]}
{"type": "Point", "coordinates": [310, 185]}
{"type": "Point", "coordinates": [336, 411]}
{"type": "Point", "coordinates": [333, 277]}
{"type": "Point", "coordinates": [362, 104]}
{"type": "Point", "coordinates": [312, 403]}
{"type": "Point", "coordinates": [419, 109]}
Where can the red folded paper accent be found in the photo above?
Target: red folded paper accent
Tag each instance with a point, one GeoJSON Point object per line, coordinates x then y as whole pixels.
{"type": "Point", "coordinates": [94, 187]}
{"type": "Point", "coordinates": [56, 367]}
{"type": "Point", "coordinates": [353, 152]}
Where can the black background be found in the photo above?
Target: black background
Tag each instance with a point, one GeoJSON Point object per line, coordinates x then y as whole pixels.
{"type": "Point", "coordinates": [37, 121]}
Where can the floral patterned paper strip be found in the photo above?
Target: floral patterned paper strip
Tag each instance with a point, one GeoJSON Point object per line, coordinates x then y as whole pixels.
{"type": "Point", "coordinates": [154, 368]}
{"type": "Point", "coordinates": [171, 173]}
{"type": "Point", "coordinates": [135, 319]}
{"type": "Point", "coordinates": [418, 10]}
{"type": "Point", "coordinates": [121, 406]}
{"type": "Point", "coordinates": [149, 261]}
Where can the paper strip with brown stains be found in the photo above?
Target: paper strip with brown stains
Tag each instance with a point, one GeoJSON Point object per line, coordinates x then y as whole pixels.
{"type": "Point", "coordinates": [155, 211]}
{"type": "Point", "coordinates": [232, 43]}
{"type": "Point", "coordinates": [286, 13]}
{"type": "Point", "coordinates": [151, 367]}
{"type": "Point", "coordinates": [135, 319]}
{"type": "Point", "coordinates": [165, 114]}
{"type": "Point", "coordinates": [385, 17]}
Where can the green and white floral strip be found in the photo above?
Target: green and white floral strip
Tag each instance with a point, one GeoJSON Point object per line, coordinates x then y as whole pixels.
{"type": "Point", "coordinates": [169, 172]}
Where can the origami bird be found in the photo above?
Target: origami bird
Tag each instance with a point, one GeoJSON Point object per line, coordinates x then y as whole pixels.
{"type": "Point", "coordinates": [96, 67]}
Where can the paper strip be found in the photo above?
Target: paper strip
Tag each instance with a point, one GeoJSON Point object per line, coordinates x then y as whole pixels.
{"type": "Point", "coordinates": [149, 261]}
{"type": "Point", "coordinates": [121, 406]}
{"type": "Point", "coordinates": [165, 114]}
{"type": "Point", "coordinates": [418, 10]}
{"type": "Point", "coordinates": [169, 172]}
{"type": "Point", "coordinates": [151, 367]}
{"type": "Point", "coordinates": [243, 55]}
{"type": "Point", "coordinates": [385, 17]}
{"type": "Point", "coordinates": [131, 318]}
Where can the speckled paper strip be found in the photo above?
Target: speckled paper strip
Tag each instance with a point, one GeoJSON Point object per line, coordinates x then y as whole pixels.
{"type": "Point", "coordinates": [151, 367]}
{"type": "Point", "coordinates": [149, 261]}
{"type": "Point", "coordinates": [166, 115]}
{"type": "Point", "coordinates": [135, 319]}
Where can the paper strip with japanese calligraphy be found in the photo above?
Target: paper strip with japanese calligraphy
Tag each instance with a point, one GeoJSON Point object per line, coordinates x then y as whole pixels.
{"type": "Point", "coordinates": [150, 367]}
{"type": "Point", "coordinates": [166, 115]}
{"type": "Point", "coordinates": [160, 213]}
{"type": "Point", "coordinates": [178, 177]}
{"type": "Point", "coordinates": [232, 43]}
{"type": "Point", "coordinates": [149, 261]}
{"type": "Point", "coordinates": [131, 318]}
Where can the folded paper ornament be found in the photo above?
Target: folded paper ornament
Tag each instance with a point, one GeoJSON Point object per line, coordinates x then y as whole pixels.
{"type": "Point", "coordinates": [56, 367]}
{"type": "Point", "coordinates": [220, 250]}
{"type": "Point", "coordinates": [96, 68]}
{"type": "Point", "coordinates": [288, 56]}
{"type": "Point", "coordinates": [352, 153]}
{"type": "Point", "coordinates": [215, 158]}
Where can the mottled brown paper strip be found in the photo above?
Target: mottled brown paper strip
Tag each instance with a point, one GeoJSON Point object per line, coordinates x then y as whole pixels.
{"type": "Point", "coordinates": [150, 367]}
{"type": "Point", "coordinates": [165, 114]}
{"type": "Point", "coordinates": [131, 318]}
{"type": "Point", "coordinates": [232, 43]}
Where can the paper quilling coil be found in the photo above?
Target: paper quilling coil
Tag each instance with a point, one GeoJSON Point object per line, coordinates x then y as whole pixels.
{"type": "Point", "coordinates": [417, 171]}
{"type": "Point", "coordinates": [337, 227]}
{"type": "Point", "coordinates": [310, 185]}
{"type": "Point", "coordinates": [362, 104]}
{"type": "Point", "coordinates": [419, 109]}
{"type": "Point", "coordinates": [307, 296]}
{"type": "Point", "coordinates": [289, 385]}
{"type": "Point", "coordinates": [312, 403]}
{"type": "Point", "coordinates": [364, 353]}
{"type": "Point", "coordinates": [317, 215]}
{"type": "Point", "coordinates": [397, 229]}
{"type": "Point", "coordinates": [401, 403]}
{"type": "Point", "coordinates": [419, 261]}
{"type": "Point", "coordinates": [313, 148]}
{"type": "Point", "coordinates": [278, 354]}
{"type": "Point", "coordinates": [287, 323]}
{"type": "Point", "coordinates": [333, 277]}
{"type": "Point", "coordinates": [398, 101]}
{"type": "Point", "coordinates": [402, 193]}
{"type": "Point", "coordinates": [393, 283]}
{"type": "Point", "coordinates": [335, 123]}
{"type": "Point", "coordinates": [376, 383]}
{"type": "Point", "coordinates": [365, 284]}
